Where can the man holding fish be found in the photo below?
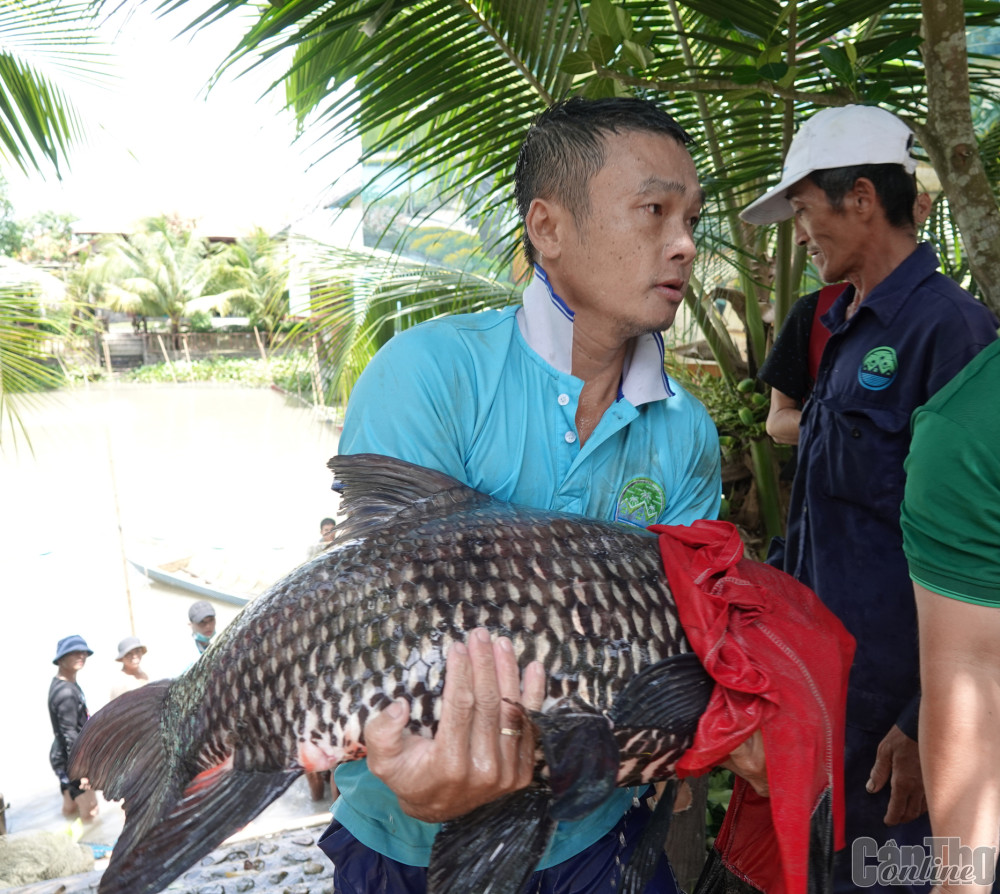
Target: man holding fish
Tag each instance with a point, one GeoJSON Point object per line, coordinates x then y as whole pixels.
{"type": "Point", "coordinates": [561, 403]}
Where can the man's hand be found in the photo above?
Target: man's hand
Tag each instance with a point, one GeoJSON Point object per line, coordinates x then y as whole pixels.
{"type": "Point", "coordinates": [471, 760]}
{"type": "Point", "coordinates": [748, 760]}
{"type": "Point", "coordinates": [897, 762]}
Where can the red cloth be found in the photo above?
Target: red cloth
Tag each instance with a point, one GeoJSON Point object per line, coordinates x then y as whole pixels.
{"type": "Point", "coordinates": [780, 660]}
{"type": "Point", "coordinates": [819, 335]}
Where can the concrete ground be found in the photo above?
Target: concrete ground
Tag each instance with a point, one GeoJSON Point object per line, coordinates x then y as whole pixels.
{"type": "Point", "coordinates": [285, 861]}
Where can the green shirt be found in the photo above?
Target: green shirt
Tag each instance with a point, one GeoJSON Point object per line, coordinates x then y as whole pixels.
{"type": "Point", "coordinates": [951, 509]}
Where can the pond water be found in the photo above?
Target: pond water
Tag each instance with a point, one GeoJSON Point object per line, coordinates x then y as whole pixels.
{"type": "Point", "coordinates": [112, 469]}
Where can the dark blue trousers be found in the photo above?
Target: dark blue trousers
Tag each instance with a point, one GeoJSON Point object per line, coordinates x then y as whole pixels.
{"type": "Point", "coordinates": [360, 870]}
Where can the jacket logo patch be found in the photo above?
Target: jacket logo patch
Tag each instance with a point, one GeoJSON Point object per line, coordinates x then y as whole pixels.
{"type": "Point", "coordinates": [640, 503]}
{"type": "Point", "coordinates": [878, 369]}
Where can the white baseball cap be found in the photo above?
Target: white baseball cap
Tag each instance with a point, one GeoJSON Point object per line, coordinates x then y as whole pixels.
{"type": "Point", "coordinates": [835, 138]}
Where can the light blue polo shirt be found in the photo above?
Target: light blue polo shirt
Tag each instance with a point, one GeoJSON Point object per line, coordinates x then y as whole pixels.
{"type": "Point", "coordinates": [489, 399]}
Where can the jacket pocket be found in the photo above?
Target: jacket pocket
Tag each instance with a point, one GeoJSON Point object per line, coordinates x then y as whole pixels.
{"type": "Point", "coordinates": [863, 458]}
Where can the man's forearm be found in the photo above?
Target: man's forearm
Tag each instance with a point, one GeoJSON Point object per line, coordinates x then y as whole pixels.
{"type": "Point", "coordinates": [960, 720]}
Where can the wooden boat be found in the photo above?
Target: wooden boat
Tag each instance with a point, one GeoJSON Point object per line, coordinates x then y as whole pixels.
{"type": "Point", "coordinates": [228, 575]}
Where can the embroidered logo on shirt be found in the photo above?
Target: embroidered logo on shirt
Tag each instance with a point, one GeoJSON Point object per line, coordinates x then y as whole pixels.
{"type": "Point", "coordinates": [640, 503]}
{"type": "Point", "coordinates": [878, 369]}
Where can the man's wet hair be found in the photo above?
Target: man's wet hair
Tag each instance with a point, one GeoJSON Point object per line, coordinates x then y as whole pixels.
{"type": "Point", "coordinates": [896, 189]}
{"type": "Point", "coordinates": [567, 145]}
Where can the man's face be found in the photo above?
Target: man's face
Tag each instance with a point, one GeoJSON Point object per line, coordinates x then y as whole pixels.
{"type": "Point", "coordinates": [206, 626]}
{"type": "Point", "coordinates": [326, 532]}
{"type": "Point", "coordinates": [73, 661]}
{"type": "Point", "coordinates": [626, 271]}
{"type": "Point", "coordinates": [132, 659]}
{"type": "Point", "coordinates": [833, 240]}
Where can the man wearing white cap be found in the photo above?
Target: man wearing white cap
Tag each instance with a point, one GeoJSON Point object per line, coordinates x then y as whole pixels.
{"type": "Point", "coordinates": [130, 652]}
{"type": "Point", "coordinates": [899, 332]}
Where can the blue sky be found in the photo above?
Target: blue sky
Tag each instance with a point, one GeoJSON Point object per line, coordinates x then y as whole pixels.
{"type": "Point", "coordinates": [157, 144]}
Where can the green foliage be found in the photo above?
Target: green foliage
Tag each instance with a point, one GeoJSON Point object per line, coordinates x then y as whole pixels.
{"type": "Point", "coordinates": [200, 321]}
{"type": "Point", "coordinates": [453, 249]}
{"type": "Point", "coordinates": [44, 44]}
{"type": "Point", "coordinates": [11, 231]}
{"type": "Point", "coordinates": [288, 371]}
{"type": "Point", "coordinates": [161, 271]}
{"type": "Point", "coordinates": [359, 300]}
{"type": "Point", "coordinates": [46, 237]}
{"type": "Point", "coordinates": [26, 366]}
{"type": "Point", "coordinates": [250, 278]}
{"type": "Point", "coordinates": [720, 790]}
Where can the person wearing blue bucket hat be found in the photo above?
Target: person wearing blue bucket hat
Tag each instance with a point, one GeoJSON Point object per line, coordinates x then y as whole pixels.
{"type": "Point", "coordinates": [68, 713]}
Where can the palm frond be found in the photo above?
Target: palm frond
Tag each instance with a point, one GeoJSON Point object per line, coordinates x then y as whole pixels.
{"type": "Point", "coordinates": [358, 300]}
{"type": "Point", "coordinates": [44, 46]}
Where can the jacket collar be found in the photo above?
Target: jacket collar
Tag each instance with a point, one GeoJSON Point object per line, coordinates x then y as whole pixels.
{"type": "Point", "coordinates": [889, 296]}
{"type": "Point", "coordinates": [546, 323]}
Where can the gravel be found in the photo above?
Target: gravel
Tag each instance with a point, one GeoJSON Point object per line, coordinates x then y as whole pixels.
{"type": "Point", "coordinates": [286, 862]}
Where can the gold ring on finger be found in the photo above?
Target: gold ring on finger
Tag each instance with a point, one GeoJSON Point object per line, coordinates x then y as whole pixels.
{"type": "Point", "coordinates": [507, 731]}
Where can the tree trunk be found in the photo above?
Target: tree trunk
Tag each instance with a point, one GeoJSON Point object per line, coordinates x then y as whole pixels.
{"type": "Point", "coordinates": [950, 142]}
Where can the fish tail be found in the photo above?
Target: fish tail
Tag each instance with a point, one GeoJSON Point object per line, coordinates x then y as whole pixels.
{"type": "Point", "coordinates": [172, 818]}
{"type": "Point", "coordinates": [121, 752]}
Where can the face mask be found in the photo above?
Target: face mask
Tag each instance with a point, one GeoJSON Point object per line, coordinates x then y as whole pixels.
{"type": "Point", "coordinates": [201, 638]}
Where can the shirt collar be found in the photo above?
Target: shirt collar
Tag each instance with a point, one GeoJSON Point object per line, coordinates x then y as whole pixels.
{"type": "Point", "coordinates": [546, 323]}
{"type": "Point", "coordinates": [886, 299]}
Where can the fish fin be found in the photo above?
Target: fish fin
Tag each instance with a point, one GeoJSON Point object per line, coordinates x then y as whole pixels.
{"type": "Point", "coordinates": [582, 756]}
{"type": "Point", "coordinates": [376, 489]}
{"type": "Point", "coordinates": [821, 845]}
{"type": "Point", "coordinates": [119, 749]}
{"type": "Point", "coordinates": [215, 804]}
{"type": "Point", "coordinates": [170, 819]}
{"type": "Point", "coordinates": [642, 864]}
{"type": "Point", "coordinates": [495, 848]}
{"type": "Point", "coordinates": [669, 695]}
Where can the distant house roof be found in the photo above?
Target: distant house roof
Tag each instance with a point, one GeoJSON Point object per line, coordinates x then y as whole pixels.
{"type": "Point", "coordinates": [15, 275]}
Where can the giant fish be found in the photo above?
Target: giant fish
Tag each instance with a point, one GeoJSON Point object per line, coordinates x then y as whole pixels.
{"type": "Point", "coordinates": [419, 561]}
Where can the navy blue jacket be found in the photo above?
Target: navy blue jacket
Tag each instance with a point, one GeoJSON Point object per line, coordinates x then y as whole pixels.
{"type": "Point", "coordinates": [909, 337]}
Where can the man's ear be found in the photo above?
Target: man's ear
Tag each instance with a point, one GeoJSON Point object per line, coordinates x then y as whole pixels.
{"type": "Point", "coordinates": [863, 198]}
{"type": "Point", "coordinates": [922, 209]}
{"type": "Point", "coordinates": [547, 226]}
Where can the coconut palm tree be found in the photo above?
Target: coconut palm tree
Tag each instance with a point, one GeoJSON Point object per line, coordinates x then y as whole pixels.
{"type": "Point", "coordinates": [43, 45]}
{"type": "Point", "coordinates": [162, 270]}
{"type": "Point", "coordinates": [446, 88]}
{"type": "Point", "coordinates": [251, 278]}
{"type": "Point", "coordinates": [442, 90]}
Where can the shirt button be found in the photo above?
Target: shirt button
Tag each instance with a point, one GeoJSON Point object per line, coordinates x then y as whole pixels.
{"type": "Point", "coordinates": [570, 437]}
{"type": "Point", "coordinates": [855, 433]}
{"type": "Point", "coordinates": [563, 400]}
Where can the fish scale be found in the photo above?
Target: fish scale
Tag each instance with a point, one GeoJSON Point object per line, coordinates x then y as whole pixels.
{"type": "Point", "coordinates": [591, 635]}
{"type": "Point", "coordinates": [419, 562]}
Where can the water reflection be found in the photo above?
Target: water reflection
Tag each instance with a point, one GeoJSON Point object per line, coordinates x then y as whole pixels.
{"type": "Point", "coordinates": [115, 467]}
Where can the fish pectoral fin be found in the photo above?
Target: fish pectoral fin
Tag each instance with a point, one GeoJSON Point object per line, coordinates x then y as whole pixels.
{"type": "Point", "coordinates": [582, 756]}
{"type": "Point", "coordinates": [495, 848]}
{"type": "Point", "coordinates": [821, 845]}
{"type": "Point", "coordinates": [642, 864]}
{"type": "Point", "coordinates": [670, 695]}
{"type": "Point", "coordinates": [215, 804]}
